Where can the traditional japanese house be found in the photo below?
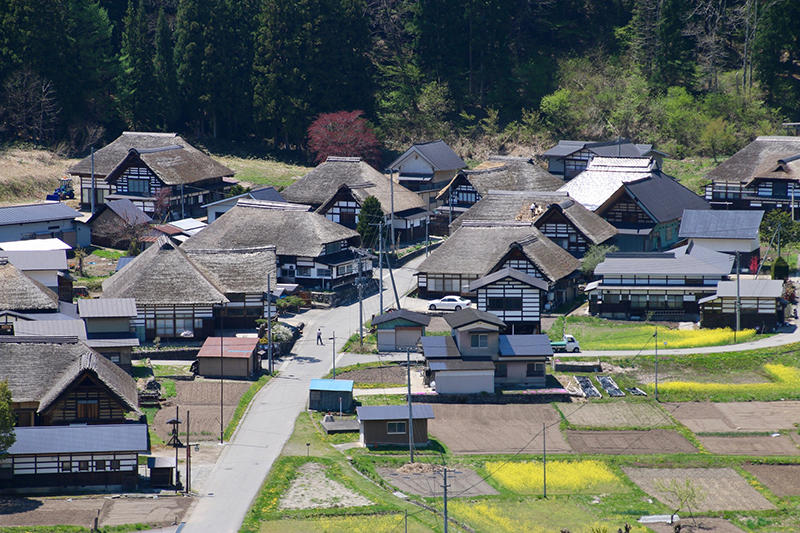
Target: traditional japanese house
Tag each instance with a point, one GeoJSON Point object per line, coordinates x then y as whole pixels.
{"type": "Point", "coordinates": [643, 203]}
{"type": "Point", "coordinates": [20, 293]}
{"type": "Point", "coordinates": [763, 175]}
{"type": "Point", "coordinates": [138, 165]}
{"type": "Point", "coordinates": [657, 285]}
{"type": "Point", "coordinates": [215, 209]}
{"type": "Point", "coordinates": [338, 187]}
{"type": "Point", "coordinates": [312, 251]}
{"type": "Point", "coordinates": [761, 305]}
{"type": "Point", "coordinates": [562, 219]}
{"type": "Point", "coordinates": [61, 380]}
{"type": "Point", "coordinates": [425, 168]}
{"type": "Point", "coordinates": [569, 158]}
{"type": "Point", "coordinates": [116, 222]}
{"type": "Point", "coordinates": [497, 173]}
{"type": "Point", "coordinates": [399, 329]}
{"type": "Point", "coordinates": [387, 425]}
{"type": "Point", "coordinates": [514, 297]}
{"type": "Point", "coordinates": [479, 248]}
{"type": "Point", "coordinates": [43, 220]}
{"type": "Point", "coordinates": [48, 267]}
{"type": "Point", "coordinates": [184, 293]}
{"type": "Point", "coordinates": [110, 327]}
{"type": "Point", "coordinates": [477, 357]}
{"type": "Point", "coordinates": [725, 231]}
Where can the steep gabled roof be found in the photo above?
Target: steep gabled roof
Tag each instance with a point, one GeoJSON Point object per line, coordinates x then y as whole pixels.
{"type": "Point", "coordinates": [163, 274]}
{"type": "Point", "coordinates": [761, 156]}
{"type": "Point", "coordinates": [124, 209]}
{"type": "Point", "coordinates": [174, 165]}
{"type": "Point", "coordinates": [108, 157]}
{"type": "Point", "coordinates": [507, 173]}
{"type": "Point", "coordinates": [321, 184]}
{"type": "Point", "coordinates": [18, 292]}
{"type": "Point", "coordinates": [465, 317]}
{"type": "Point", "coordinates": [252, 224]}
{"type": "Point", "coordinates": [719, 224]}
{"type": "Point", "coordinates": [39, 369]}
{"type": "Point", "coordinates": [616, 148]}
{"type": "Point", "coordinates": [507, 273]}
{"type": "Point", "coordinates": [437, 153]}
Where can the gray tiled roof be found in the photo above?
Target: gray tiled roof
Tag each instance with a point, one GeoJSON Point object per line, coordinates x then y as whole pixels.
{"type": "Point", "coordinates": [79, 439]}
{"type": "Point", "coordinates": [394, 412]}
{"type": "Point", "coordinates": [106, 307]}
{"type": "Point", "coordinates": [720, 224]}
{"type": "Point", "coordinates": [41, 212]}
{"type": "Point", "coordinates": [689, 259]}
{"type": "Point", "coordinates": [437, 152]}
{"type": "Point", "coordinates": [619, 148]}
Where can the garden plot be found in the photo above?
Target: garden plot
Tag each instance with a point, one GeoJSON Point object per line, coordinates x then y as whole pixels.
{"type": "Point", "coordinates": [610, 386]}
{"type": "Point", "coordinates": [312, 489]}
{"type": "Point", "coordinates": [628, 442]}
{"type": "Point", "coordinates": [750, 445]}
{"type": "Point", "coordinates": [704, 525]}
{"type": "Point", "coordinates": [782, 480]}
{"type": "Point", "coordinates": [425, 479]}
{"type": "Point", "coordinates": [615, 415]}
{"type": "Point", "coordinates": [706, 417]}
{"type": "Point", "coordinates": [719, 489]}
{"type": "Point", "coordinates": [487, 428]}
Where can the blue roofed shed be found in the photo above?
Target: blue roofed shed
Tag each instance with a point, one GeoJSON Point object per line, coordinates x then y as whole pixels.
{"type": "Point", "coordinates": [326, 395]}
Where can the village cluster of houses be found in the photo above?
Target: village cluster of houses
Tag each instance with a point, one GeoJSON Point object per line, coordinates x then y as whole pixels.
{"type": "Point", "coordinates": [516, 236]}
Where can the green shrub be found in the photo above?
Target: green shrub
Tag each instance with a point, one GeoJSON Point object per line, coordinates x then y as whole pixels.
{"type": "Point", "coordinates": [780, 269]}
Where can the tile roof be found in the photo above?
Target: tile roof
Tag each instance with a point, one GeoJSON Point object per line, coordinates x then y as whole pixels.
{"type": "Point", "coordinates": [332, 385]}
{"type": "Point", "coordinates": [394, 412]}
{"type": "Point", "coordinates": [689, 259]}
{"type": "Point", "coordinates": [619, 148]}
{"type": "Point", "coordinates": [106, 307]}
{"type": "Point", "coordinates": [437, 153]}
{"type": "Point", "coordinates": [720, 224]}
{"type": "Point", "coordinates": [405, 314]}
{"type": "Point", "coordinates": [39, 212]}
{"type": "Point", "coordinates": [82, 438]}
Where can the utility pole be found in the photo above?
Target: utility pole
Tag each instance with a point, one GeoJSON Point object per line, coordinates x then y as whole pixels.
{"type": "Point", "coordinates": [405, 522]}
{"type": "Point", "coordinates": [333, 340]}
{"type": "Point", "coordinates": [380, 266]}
{"type": "Point", "coordinates": [391, 200]}
{"type": "Point", "coordinates": [394, 287]}
{"type": "Point", "coordinates": [188, 457]}
{"type": "Point", "coordinates": [221, 368]}
{"type": "Point", "coordinates": [544, 460]}
{"type": "Point", "coordinates": [177, 441]}
{"type": "Point", "coordinates": [410, 412]}
{"type": "Point", "coordinates": [444, 486]}
{"type": "Point", "coordinates": [183, 214]}
{"type": "Point", "coordinates": [656, 387]}
{"type": "Point", "coordinates": [427, 235]}
{"type": "Point", "coordinates": [792, 184]}
{"type": "Point", "coordinates": [360, 288]}
{"type": "Point", "coordinates": [269, 323]}
{"type": "Point", "coordinates": [449, 207]}
{"type": "Point", "coordinates": [738, 294]}
{"type": "Point", "coordinates": [94, 184]}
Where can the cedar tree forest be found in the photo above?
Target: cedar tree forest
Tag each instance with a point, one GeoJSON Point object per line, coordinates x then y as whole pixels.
{"type": "Point", "coordinates": [697, 77]}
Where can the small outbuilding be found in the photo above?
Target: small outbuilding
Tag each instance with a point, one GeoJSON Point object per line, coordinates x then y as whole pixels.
{"type": "Point", "coordinates": [161, 469]}
{"type": "Point", "coordinates": [761, 305]}
{"type": "Point", "coordinates": [326, 395]}
{"type": "Point", "coordinates": [229, 357]}
{"type": "Point", "coordinates": [381, 425]}
{"type": "Point", "coordinates": [400, 330]}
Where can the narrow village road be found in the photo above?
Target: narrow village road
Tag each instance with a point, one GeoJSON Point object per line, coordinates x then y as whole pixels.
{"type": "Point", "coordinates": [247, 459]}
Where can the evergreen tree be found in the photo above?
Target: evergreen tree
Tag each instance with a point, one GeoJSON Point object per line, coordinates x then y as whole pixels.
{"type": "Point", "coordinates": [136, 90]}
{"type": "Point", "coordinates": [164, 74]}
{"type": "Point", "coordinates": [674, 64]}
{"type": "Point", "coordinates": [370, 213]}
{"type": "Point", "coordinates": [7, 437]}
{"type": "Point", "coordinates": [188, 55]}
{"type": "Point", "coordinates": [777, 54]}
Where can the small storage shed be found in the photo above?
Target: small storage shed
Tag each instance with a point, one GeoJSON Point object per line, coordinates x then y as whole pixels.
{"type": "Point", "coordinates": [388, 424]}
{"type": "Point", "coordinates": [161, 469]}
{"type": "Point", "coordinates": [400, 330]}
{"type": "Point", "coordinates": [324, 394]}
{"type": "Point", "coordinates": [456, 376]}
{"type": "Point", "coordinates": [230, 357]}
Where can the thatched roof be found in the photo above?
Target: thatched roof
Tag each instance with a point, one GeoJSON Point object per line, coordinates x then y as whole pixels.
{"type": "Point", "coordinates": [253, 224]}
{"type": "Point", "coordinates": [509, 174]}
{"type": "Point", "coordinates": [174, 165]}
{"type": "Point", "coordinates": [18, 292]}
{"type": "Point", "coordinates": [319, 185]}
{"type": "Point", "coordinates": [760, 158]}
{"type": "Point", "coordinates": [237, 271]}
{"type": "Point", "coordinates": [187, 160]}
{"type": "Point", "coordinates": [477, 247]}
{"type": "Point", "coordinates": [163, 274]}
{"type": "Point", "coordinates": [39, 369]}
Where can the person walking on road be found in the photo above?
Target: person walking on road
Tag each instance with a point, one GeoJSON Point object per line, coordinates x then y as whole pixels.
{"type": "Point", "coordinates": [319, 337]}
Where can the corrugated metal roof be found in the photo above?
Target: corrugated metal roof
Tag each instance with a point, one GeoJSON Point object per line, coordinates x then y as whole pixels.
{"type": "Point", "coordinates": [232, 347]}
{"type": "Point", "coordinates": [35, 244]}
{"type": "Point", "coordinates": [524, 345]}
{"type": "Point", "coordinates": [332, 385]}
{"type": "Point", "coordinates": [50, 328]}
{"type": "Point", "coordinates": [751, 288]}
{"type": "Point", "coordinates": [439, 346]}
{"type": "Point", "coordinates": [106, 307]}
{"type": "Point", "coordinates": [79, 439]}
{"type": "Point", "coordinates": [26, 214]}
{"type": "Point", "coordinates": [394, 412]}
{"type": "Point", "coordinates": [26, 260]}
{"type": "Point", "coordinates": [112, 343]}
{"type": "Point", "coordinates": [459, 364]}
{"type": "Point", "coordinates": [690, 259]}
{"type": "Point", "coordinates": [437, 152]}
{"type": "Point", "coordinates": [719, 224]}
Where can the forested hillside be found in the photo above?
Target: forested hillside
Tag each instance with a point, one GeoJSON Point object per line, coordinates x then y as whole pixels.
{"type": "Point", "coordinates": [696, 77]}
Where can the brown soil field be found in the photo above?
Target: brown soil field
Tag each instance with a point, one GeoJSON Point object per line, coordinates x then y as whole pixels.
{"type": "Point", "coordinates": [615, 415]}
{"type": "Point", "coordinates": [629, 442]}
{"type": "Point", "coordinates": [782, 480]}
{"type": "Point", "coordinates": [704, 525]}
{"type": "Point", "coordinates": [705, 417]}
{"type": "Point", "coordinates": [750, 445]}
{"type": "Point", "coordinates": [162, 511]}
{"type": "Point", "coordinates": [482, 428]}
{"type": "Point", "coordinates": [312, 489]}
{"type": "Point", "coordinates": [721, 489]}
{"type": "Point", "coordinates": [461, 481]}
{"type": "Point", "coordinates": [390, 374]}
{"type": "Point", "coordinates": [201, 398]}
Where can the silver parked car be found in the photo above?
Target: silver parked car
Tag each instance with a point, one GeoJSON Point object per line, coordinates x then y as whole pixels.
{"type": "Point", "coordinates": [453, 303]}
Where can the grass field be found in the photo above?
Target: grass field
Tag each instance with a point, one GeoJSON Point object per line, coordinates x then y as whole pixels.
{"type": "Point", "coordinates": [691, 171]}
{"type": "Point", "coordinates": [262, 171]}
{"type": "Point", "coordinates": [30, 174]}
{"type": "Point", "coordinates": [600, 334]}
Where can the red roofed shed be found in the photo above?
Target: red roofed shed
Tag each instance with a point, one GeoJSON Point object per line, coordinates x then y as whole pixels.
{"type": "Point", "coordinates": [239, 357]}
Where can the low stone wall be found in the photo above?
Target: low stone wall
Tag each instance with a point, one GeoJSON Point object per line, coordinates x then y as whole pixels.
{"type": "Point", "coordinates": [576, 366]}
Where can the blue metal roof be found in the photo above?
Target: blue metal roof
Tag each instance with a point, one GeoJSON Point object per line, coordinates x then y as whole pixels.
{"type": "Point", "coordinates": [26, 214]}
{"type": "Point", "coordinates": [79, 439]}
{"type": "Point", "coordinates": [333, 385]}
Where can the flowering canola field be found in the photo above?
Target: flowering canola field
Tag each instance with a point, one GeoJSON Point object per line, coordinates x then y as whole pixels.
{"type": "Point", "coordinates": [562, 476]}
{"type": "Point", "coordinates": [787, 383]}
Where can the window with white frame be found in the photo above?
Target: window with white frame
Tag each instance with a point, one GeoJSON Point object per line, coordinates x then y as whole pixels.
{"type": "Point", "coordinates": [395, 428]}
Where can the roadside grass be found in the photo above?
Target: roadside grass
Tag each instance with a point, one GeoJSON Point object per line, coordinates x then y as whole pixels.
{"type": "Point", "coordinates": [262, 170]}
{"type": "Point", "coordinates": [362, 366]}
{"type": "Point", "coordinates": [108, 253]}
{"type": "Point", "coordinates": [382, 399]}
{"type": "Point", "coordinates": [125, 528]}
{"type": "Point", "coordinates": [369, 344]}
{"type": "Point", "coordinates": [600, 334]}
{"type": "Point", "coordinates": [373, 523]}
{"type": "Point", "coordinates": [244, 401]}
{"type": "Point", "coordinates": [691, 172]}
{"type": "Point", "coordinates": [150, 413]}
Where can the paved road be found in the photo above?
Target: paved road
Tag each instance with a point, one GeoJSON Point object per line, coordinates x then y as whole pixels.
{"type": "Point", "coordinates": [265, 428]}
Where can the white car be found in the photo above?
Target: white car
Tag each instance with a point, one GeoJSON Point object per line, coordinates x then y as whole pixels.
{"type": "Point", "coordinates": [453, 303]}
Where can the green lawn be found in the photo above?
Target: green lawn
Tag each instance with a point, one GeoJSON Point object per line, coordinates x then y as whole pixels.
{"type": "Point", "coordinates": [263, 171]}
{"type": "Point", "coordinates": [369, 344]}
{"type": "Point", "coordinates": [691, 171]}
{"type": "Point", "coordinates": [600, 334]}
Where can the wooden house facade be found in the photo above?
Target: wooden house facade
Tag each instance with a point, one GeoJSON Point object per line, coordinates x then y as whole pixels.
{"type": "Point", "coordinates": [400, 329]}
{"type": "Point", "coordinates": [569, 158]}
{"type": "Point", "coordinates": [425, 168]}
{"type": "Point", "coordinates": [761, 305]}
{"type": "Point", "coordinates": [387, 425]}
{"type": "Point", "coordinates": [514, 297]}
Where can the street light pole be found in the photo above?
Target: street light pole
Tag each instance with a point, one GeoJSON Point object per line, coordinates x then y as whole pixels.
{"type": "Point", "coordinates": [333, 340]}
{"type": "Point", "coordinates": [656, 387]}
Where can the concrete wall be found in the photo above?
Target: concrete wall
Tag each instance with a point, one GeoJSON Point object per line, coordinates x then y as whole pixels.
{"type": "Point", "coordinates": [464, 381]}
{"type": "Point", "coordinates": [517, 375]}
{"type": "Point", "coordinates": [216, 211]}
